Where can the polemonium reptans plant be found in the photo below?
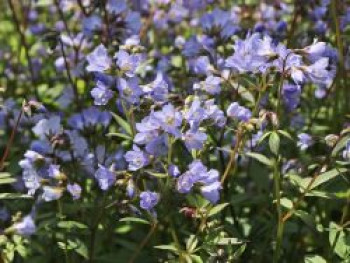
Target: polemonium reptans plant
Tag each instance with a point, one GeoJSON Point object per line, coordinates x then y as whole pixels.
{"type": "Point", "coordinates": [174, 131]}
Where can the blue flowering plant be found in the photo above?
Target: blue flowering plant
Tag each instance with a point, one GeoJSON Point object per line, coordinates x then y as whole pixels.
{"type": "Point", "coordinates": [174, 131]}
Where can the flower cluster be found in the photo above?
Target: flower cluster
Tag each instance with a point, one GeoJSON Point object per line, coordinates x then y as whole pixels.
{"type": "Point", "coordinates": [152, 106]}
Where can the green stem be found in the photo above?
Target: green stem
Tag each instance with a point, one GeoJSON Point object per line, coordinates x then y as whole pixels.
{"type": "Point", "coordinates": [280, 223]}
{"type": "Point", "coordinates": [60, 211]}
{"type": "Point", "coordinates": [143, 243]}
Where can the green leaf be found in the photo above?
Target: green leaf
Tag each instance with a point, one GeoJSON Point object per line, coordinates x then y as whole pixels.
{"type": "Point", "coordinates": [4, 175]}
{"type": "Point", "coordinates": [196, 259]}
{"type": "Point", "coordinates": [158, 175]}
{"type": "Point", "coordinates": [339, 240]}
{"type": "Point", "coordinates": [274, 142]}
{"type": "Point", "coordinates": [340, 145]}
{"type": "Point", "coordinates": [263, 137]}
{"type": "Point", "coordinates": [285, 134]}
{"type": "Point", "coordinates": [14, 196]}
{"type": "Point", "coordinates": [314, 259]}
{"type": "Point", "coordinates": [239, 251]}
{"type": "Point", "coordinates": [325, 177]}
{"type": "Point", "coordinates": [229, 241]}
{"type": "Point", "coordinates": [306, 218]}
{"type": "Point", "coordinates": [261, 158]}
{"type": "Point", "coordinates": [167, 247]}
{"type": "Point", "coordinates": [191, 244]}
{"type": "Point", "coordinates": [71, 224]}
{"type": "Point", "coordinates": [122, 123]}
{"type": "Point", "coordinates": [134, 220]}
{"type": "Point", "coordinates": [7, 180]}
{"type": "Point", "coordinates": [217, 209]}
{"type": "Point", "coordinates": [287, 203]}
{"type": "Point", "coordinates": [81, 249]}
{"type": "Point", "coordinates": [120, 135]}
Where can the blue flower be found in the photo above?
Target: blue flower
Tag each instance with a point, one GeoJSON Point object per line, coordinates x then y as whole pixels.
{"type": "Point", "coordinates": [157, 146]}
{"type": "Point", "coordinates": [316, 49]}
{"type": "Point", "coordinates": [47, 127]}
{"type": "Point", "coordinates": [98, 60]}
{"type": "Point", "coordinates": [318, 73]}
{"type": "Point", "coordinates": [4, 214]}
{"type": "Point", "coordinates": [220, 20]}
{"type": "Point", "coordinates": [158, 89]}
{"type": "Point", "coordinates": [245, 57]}
{"type": "Point", "coordinates": [101, 94]}
{"type": "Point", "coordinates": [201, 65]}
{"type": "Point", "coordinates": [210, 85]}
{"type": "Point", "coordinates": [104, 177]}
{"type": "Point", "coordinates": [116, 6]}
{"type": "Point", "coordinates": [305, 141]}
{"type": "Point", "coordinates": [91, 23]}
{"type": "Point", "coordinates": [54, 171]}
{"type": "Point", "coordinates": [133, 23]}
{"type": "Point", "coordinates": [214, 113]}
{"type": "Point", "coordinates": [194, 139]}
{"type": "Point", "coordinates": [185, 183]}
{"type": "Point", "coordinates": [173, 170]}
{"type": "Point", "coordinates": [129, 90]}
{"type": "Point", "coordinates": [211, 192]}
{"type": "Point", "coordinates": [51, 193]}
{"type": "Point", "coordinates": [148, 200]}
{"type": "Point", "coordinates": [169, 119]}
{"type": "Point", "coordinates": [26, 226]}
{"type": "Point", "coordinates": [74, 190]}
{"type": "Point", "coordinates": [128, 63]}
{"type": "Point", "coordinates": [346, 151]}
{"type": "Point", "coordinates": [238, 112]}
{"type": "Point", "coordinates": [130, 188]}
{"type": "Point", "coordinates": [199, 174]}
{"type": "Point", "coordinates": [136, 159]}
{"type": "Point", "coordinates": [195, 114]}
{"type": "Point", "coordinates": [291, 95]}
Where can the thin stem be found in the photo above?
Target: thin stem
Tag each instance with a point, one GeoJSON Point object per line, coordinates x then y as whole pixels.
{"type": "Point", "coordinates": [232, 160]}
{"type": "Point", "coordinates": [175, 238]}
{"type": "Point", "coordinates": [280, 224]}
{"type": "Point", "coordinates": [60, 211]}
{"type": "Point", "coordinates": [10, 141]}
{"type": "Point", "coordinates": [24, 44]}
{"type": "Point", "coordinates": [69, 75]}
{"type": "Point", "coordinates": [144, 242]}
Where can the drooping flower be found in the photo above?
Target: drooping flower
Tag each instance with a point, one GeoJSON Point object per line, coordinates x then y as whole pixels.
{"type": "Point", "coordinates": [173, 170]}
{"type": "Point", "coordinates": [305, 141]}
{"type": "Point", "coordinates": [105, 177]}
{"type": "Point", "coordinates": [51, 193]}
{"type": "Point", "coordinates": [47, 127]}
{"type": "Point", "coordinates": [148, 200]}
{"type": "Point", "coordinates": [238, 112]}
{"type": "Point", "coordinates": [26, 226]}
{"type": "Point", "coordinates": [74, 190]}
{"type": "Point", "coordinates": [185, 183]}
{"type": "Point", "coordinates": [210, 85]}
{"type": "Point", "coordinates": [346, 151]}
{"type": "Point", "coordinates": [211, 192]}
{"type": "Point", "coordinates": [199, 174]}
{"type": "Point", "coordinates": [291, 95]}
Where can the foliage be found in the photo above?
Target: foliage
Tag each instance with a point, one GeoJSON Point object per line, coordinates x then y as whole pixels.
{"type": "Point", "coordinates": [174, 131]}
